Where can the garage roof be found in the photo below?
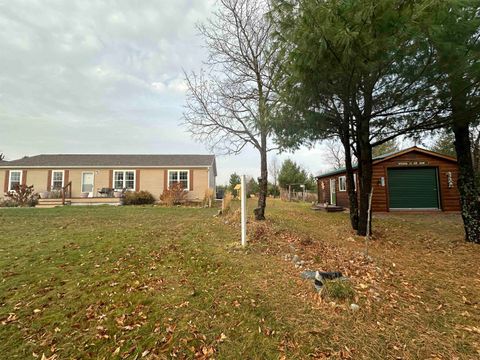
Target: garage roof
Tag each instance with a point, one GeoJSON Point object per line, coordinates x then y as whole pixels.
{"type": "Point", "coordinates": [387, 156]}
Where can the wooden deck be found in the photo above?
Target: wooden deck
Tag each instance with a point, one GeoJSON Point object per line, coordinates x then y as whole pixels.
{"type": "Point", "coordinates": [51, 203]}
{"type": "Point", "coordinates": [327, 208]}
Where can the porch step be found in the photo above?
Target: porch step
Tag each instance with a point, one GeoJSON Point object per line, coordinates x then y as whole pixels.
{"type": "Point", "coordinates": [51, 203]}
{"type": "Point", "coordinates": [95, 201]}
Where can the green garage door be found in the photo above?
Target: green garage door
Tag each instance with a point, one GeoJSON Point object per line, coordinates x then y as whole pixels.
{"type": "Point", "coordinates": [415, 188]}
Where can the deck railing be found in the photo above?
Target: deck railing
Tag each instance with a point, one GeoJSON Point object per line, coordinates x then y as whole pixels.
{"type": "Point", "coordinates": [66, 192]}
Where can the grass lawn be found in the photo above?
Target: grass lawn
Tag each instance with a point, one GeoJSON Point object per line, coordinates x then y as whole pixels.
{"type": "Point", "coordinates": [154, 283]}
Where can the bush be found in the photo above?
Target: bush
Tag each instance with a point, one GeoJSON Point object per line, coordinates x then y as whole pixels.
{"type": "Point", "coordinates": [208, 198]}
{"type": "Point", "coordinates": [23, 196]}
{"type": "Point", "coordinates": [8, 203]}
{"type": "Point", "coordinates": [174, 196]}
{"type": "Point", "coordinates": [338, 290]}
{"type": "Point", "coordinates": [138, 198]}
{"type": "Point", "coordinates": [226, 203]}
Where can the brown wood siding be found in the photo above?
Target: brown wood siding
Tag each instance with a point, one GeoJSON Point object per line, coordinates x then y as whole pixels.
{"type": "Point", "coordinates": [324, 195]}
{"type": "Point", "coordinates": [137, 180]}
{"type": "Point", "coordinates": [191, 179]}
{"type": "Point", "coordinates": [449, 197]}
{"type": "Point", "coordinates": [49, 180]}
{"type": "Point", "coordinates": [5, 182]}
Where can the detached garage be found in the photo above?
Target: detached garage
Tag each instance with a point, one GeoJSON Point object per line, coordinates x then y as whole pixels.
{"type": "Point", "coordinates": [411, 179]}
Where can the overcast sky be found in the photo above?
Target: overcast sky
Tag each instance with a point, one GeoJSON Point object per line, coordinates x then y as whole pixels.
{"type": "Point", "coordinates": [80, 76]}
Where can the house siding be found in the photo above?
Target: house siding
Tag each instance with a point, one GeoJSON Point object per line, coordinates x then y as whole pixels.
{"type": "Point", "coordinates": [200, 184]}
{"type": "Point", "coordinates": [38, 178]}
{"type": "Point", "coordinates": [150, 179]}
{"type": "Point", "coordinates": [100, 179]}
{"type": "Point", "coordinates": [449, 197]}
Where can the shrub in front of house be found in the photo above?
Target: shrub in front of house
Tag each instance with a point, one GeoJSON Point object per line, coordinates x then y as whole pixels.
{"type": "Point", "coordinates": [138, 198]}
{"type": "Point", "coordinates": [23, 196]}
{"type": "Point", "coordinates": [8, 203]}
{"type": "Point", "coordinates": [208, 198]}
{"type": "Point", "coordinates": [176, 195]}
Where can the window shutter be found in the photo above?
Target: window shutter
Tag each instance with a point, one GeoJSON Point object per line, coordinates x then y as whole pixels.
{"type": "Point", "coordinates": [49, 180]}
{"type": "Point", "coordinates": [165, 180]}
{"type": "Point", "coordinates": [67, 176]}
{"type": "Point", "coordinates": [110, 179]}
{"type": "Point", "coordinates": [137, 180]}
{"type": "Point", "coordinates": [5, 183]}
{"type": "Point", "coordinates": [24, 178]}
{"type": "Point", "coordinates": [190, 174]}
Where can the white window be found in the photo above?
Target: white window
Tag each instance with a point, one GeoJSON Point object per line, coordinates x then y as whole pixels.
{"type": "Point", "coordinates": [179, 176]}
{"type": "Point", "coordinates": [124, 179]}
{"type": "Point", "coordinates": [342, 183]}
{"type": "Point", "coordinates": [14, 180]}
{"type": "Point", "coordinates": [57, 179]}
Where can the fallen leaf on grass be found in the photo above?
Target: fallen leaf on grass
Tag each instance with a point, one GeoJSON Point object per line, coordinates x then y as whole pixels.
{"type": "Point", "coordinates": [472, 329]}
{"type": "Point", "coordinates": [222, 337]}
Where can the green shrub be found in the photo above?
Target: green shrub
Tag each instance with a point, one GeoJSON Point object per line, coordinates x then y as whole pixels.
{"type": "Point", "coordinates": [338, 290]}
{"type": "Point", "coordinates": [138, 198]}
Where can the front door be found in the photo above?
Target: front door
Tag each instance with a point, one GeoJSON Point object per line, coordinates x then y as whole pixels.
{"type": "Point", "coordinates": [87, 183]}
{"type": "Point", "coordinates": [333, 192]}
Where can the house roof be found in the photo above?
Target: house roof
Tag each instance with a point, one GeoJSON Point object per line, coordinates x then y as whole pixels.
{"type": "Point", "coordinates": [384, 157]}
{"type": "Point", "coordinates": [111, 160]}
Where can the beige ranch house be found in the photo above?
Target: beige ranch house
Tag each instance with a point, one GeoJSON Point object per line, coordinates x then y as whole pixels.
{"type": "Point", "coordinates": [94, 176]}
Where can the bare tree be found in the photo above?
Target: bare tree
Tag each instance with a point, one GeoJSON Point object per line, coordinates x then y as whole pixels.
{"type": "Point", "coordinates": [274, 169]}
{"type": "Point", "coordinates": [2, 156]}
{"type": "Point", "coordinates": [229, 102]}
{"type": "Point", "coordinates": [336, 154]}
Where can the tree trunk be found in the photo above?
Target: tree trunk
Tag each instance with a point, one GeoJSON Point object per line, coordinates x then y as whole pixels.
{"type": "Point", "coordinates": [364, 150]}
{"type": "Point", "coordinates": [469, 194]}
{"type": "Point", "coordinates": [476, 157]}
{"type": "Point", "coordinates": [352, 195]}
{"type": "Point", "coordinates": [262, 181]}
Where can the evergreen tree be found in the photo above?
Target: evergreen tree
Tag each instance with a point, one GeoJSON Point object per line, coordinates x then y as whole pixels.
{"type": "Point", "coordinates": [292, 174]}
{"type": "Point", "coordinates": [452, 27]}
{"type": "Point", "coordinates": [355, 70]}
{"type": "Point", "coordinates": [444, 144]}
{"type": "Point", "coordinates": [232, 182]}
{"type": "Point", "coordinates": [388, 147]}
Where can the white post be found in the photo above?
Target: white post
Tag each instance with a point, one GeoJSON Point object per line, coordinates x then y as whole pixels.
{"type": "Point", "coordinates": [244, 210]}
